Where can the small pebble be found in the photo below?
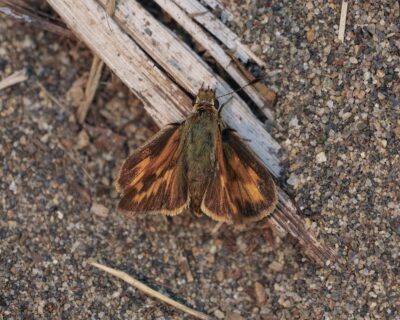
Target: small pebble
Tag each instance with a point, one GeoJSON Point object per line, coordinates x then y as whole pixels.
{"type": "Point", "coordinates": [310, 35]}
{"type": "Point", "coordinates": [82, 140]}
{"type": "Point", "coordinates": [353, 60]}
{"type": "Point", "coordinates": [259, 293]}
{"type": "Point", "coordinates": [293, 180]}
{"type": "Point", "coordinates": [321, 157]}
{"type": "Point", "coordinates": [99, 210]}
{"type": "Point", "coordinates": [219, 314]}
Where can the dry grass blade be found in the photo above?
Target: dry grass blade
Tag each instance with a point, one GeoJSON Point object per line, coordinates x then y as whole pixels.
{"type": "Point", "coordinates": [185, 268]}
{"type": "Point", "coordinates": [13, 79]}
{"type": "Point", "coordinates": [91, 87]}
{"type": "Point", "coordinates": [155, 294]}
{"type": "Point", "coordinates": [342, 23]}
{"type": "Point", "coordinates": [50, 96]}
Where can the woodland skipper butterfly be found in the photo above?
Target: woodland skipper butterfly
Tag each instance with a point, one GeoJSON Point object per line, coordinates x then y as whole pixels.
{"type": "Point", "coordinates": [200, 164]}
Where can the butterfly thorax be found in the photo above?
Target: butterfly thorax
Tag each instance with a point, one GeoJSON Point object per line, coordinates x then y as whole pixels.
{"type": "Point", "coordinates": [201, 128]}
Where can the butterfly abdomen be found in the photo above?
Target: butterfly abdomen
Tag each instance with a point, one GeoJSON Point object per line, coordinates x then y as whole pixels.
{"type": "Point", "coordinates": [200, 154]}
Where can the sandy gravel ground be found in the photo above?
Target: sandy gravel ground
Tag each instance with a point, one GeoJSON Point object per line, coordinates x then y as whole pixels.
{"type": "Point", "coordinates": [338, 121]}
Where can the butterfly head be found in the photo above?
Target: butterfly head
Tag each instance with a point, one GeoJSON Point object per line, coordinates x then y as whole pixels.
{"type": "Point", "coordinates": [206, 99]}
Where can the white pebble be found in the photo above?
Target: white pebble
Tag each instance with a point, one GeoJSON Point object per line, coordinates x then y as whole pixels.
{"type": "Point", "coordinates": [321, 157]}
{"type": "Point", "coordinates": [353, 60]}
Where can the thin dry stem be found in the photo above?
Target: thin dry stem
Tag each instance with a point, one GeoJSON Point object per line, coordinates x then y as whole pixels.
{"type": "Point", "coordinates": [13, 79]}
{"type": "Point", "coordinates": [149, 291]}
{"type": "Point", "coordinates": [91, 88]}
{"type": "Point", "coordinates": [342, 22]}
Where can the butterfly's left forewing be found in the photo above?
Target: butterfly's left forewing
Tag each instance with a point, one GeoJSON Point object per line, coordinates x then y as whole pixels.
{"type": "Point", "coordinates": [242, 189]}
{"type": "Point", "coordinates": [153, 178]}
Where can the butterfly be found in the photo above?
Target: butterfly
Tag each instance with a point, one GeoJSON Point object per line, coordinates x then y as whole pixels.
{"type": "Point", "coordinates": [199, 164]}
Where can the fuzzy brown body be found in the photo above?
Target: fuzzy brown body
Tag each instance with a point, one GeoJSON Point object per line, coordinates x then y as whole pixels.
{"type": "Point", "coordinates": [199, 164]}
{"type": "Point", "coordinates": [200, 153]}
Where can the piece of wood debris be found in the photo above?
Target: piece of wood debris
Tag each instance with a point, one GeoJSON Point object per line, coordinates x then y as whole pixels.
{"type": "Point", "coordinates": [220, 8]}
{"type": "Point", "coordinates": [13, 79]}
{"type": "Point", "coordinates": [149, 291]}
{"type": "Point", "coordinates": [342, 22]}
{"type": "Point", "coordinates": [286, 219]}
{"type": "Point", "coordinates": [163, 100]}
{"type": "Point", "coordinates": [185, 268]}
{"type": "Point", "coordinates": [110, 7]}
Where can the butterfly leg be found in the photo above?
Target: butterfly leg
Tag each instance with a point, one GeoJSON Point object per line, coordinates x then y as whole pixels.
{"type": "Point", "coordinates": [224, 104]}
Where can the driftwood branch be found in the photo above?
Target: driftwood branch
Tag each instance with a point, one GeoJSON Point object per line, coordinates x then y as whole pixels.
{"type": "Point", "coordinates": [130, 41]}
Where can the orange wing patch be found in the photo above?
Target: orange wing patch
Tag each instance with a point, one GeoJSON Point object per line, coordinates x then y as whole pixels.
{"type": "Point", "coordinates": [242, 189]}
{"type": "Point", "coordinates": [153, 178]}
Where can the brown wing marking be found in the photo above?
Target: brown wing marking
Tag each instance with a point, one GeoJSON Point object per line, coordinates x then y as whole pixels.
{"type": "Point", "coordinates": [242, 189]}
{"type": "Point", "coordinates": [153, 178]}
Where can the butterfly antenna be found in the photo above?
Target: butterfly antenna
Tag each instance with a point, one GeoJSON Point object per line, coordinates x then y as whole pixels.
{"type": "Point", "coordinates": [241, 88]}
{"type": "Point", "coordinates": [232, 92]}
{"type": "Point", "coordinates": [223, 105]}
